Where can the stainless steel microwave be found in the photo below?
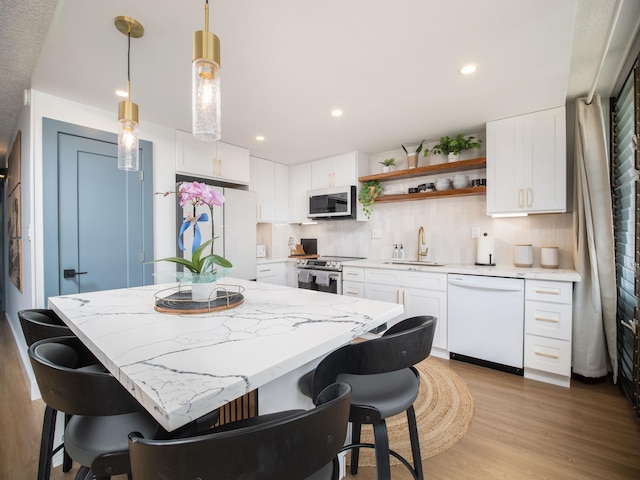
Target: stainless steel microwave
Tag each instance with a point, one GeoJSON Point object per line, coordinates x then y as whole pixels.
{"type": "Point", "coordinates": [337, 203]}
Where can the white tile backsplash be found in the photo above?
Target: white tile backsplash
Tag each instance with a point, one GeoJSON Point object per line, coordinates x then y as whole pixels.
{"type": "Point", "coordinates": [447, 223]}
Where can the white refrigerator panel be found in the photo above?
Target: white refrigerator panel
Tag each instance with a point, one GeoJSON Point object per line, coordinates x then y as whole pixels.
{"type": "Point", "coordinates": [240, 232]}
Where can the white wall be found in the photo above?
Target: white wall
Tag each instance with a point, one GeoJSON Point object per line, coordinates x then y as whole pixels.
{"type": "Point", "coordinates": [164, 208]}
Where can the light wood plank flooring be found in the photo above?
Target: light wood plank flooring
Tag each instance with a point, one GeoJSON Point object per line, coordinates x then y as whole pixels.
{"type": "Point", "coordinates": [521, 429]}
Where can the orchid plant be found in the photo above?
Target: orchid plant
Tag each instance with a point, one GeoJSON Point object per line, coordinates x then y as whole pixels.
{"type": "Point", "coordinates": [197, 194]}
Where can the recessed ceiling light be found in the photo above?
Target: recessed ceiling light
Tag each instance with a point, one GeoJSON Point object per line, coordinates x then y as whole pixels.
{"type": "Point", "coordinates": [260, 138]}
{"type": "Point", "coordinates": [121, 93]}
{"type": "Point", "coordinates": [336, 113]}
{"type": "Point", "coordinates": [468, 69]}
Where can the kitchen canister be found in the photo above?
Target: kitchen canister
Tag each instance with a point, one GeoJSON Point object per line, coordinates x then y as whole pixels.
{"type": "Point", "coordinates": [549, 257]}
{"type": "Point", "coordinates": [523, 255]}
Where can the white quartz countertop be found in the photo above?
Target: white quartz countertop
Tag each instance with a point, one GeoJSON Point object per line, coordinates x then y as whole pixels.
{"type": "Point", "coordinates": [267, 260]}
{"type": "Point", "coordinates": [180, 367]}
{"type": "Point", "coordinates": [497, 271]}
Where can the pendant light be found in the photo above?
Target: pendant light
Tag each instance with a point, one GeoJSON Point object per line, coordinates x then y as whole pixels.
{"type": "Point", "coordinates": [205, 75]}
{"type": "Point", "coordinates": [128, 151]}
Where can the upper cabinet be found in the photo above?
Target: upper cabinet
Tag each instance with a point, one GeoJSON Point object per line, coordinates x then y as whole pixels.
{"type": "Point", "coordinates": [338, 170]}
{"type": "Point", "coordinates": [270, 181]}
{"type": "Point", "coordinates": [212, 160]}
{"type": "Point", "coordinates": [526, 163]}
{"type": "Point", "coordinates": [300, 184]}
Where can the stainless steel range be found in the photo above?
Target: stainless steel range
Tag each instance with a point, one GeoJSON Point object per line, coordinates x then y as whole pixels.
{"type": "Point", "coordinates": [323, 274]}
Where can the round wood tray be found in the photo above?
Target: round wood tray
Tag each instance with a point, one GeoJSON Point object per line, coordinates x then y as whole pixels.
{"type": "Point", "coordinates": [177, 300]}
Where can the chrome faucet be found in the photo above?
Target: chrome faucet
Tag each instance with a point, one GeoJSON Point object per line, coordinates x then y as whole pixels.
{"type": "Point", "coordinates": [422, 254]}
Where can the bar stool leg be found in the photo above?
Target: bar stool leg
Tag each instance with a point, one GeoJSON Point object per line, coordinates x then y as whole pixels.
{"type": "Point", "coordinates": [356, 428]}
{"type": "Point", "coordinates": [46, 443]}
{"type": "Point", "coordinates": [415, 442]}
{"type": "Point", "coordinates": [67, 463]}
{"type": "Point", "coordinates": [381, 441]}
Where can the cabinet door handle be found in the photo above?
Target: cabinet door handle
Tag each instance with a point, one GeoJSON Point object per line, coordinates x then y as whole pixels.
{"type": "Point", "coordinates": [352, 274]}
{"type": "Point", "coordinates": [548, 291]}
{"type": "Point", "coordinates": [547, 319]}
{"type": "Point", "coordinates": [265, 271]}
{"type": "Point", "coordinates": [548, 355]}
{"type": "Point", "coordinates": [351, 292]}
{"type": "Point", "coordinates": [219, 167]}
{"type": "Point", "coordinates": [529, 195]}
{"type": "Point", "coordinates": [520, 198]}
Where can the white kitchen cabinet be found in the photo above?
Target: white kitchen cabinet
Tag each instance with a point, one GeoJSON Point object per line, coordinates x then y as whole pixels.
{"type": "Point", "coordinates": [421, 293]}
{"type": "Point", "coordinates": [339, 170]}
{"type": "Point", "coordinates": [299, 185]}
{"type": "Point", "coordinates": [275, 273]}
{"type": "Point", "coordinates": [547, 326]}
{"type": "Point", "coordinates": [211, 160]}
{"type": "Point", "coordinates": [270, 181]}
{"type": "Point", "coordinates": [526, 163]}
{"type": "Point", "coordinates": [353, 282]}
{"type": "Point", "coordinates": [281, 182]}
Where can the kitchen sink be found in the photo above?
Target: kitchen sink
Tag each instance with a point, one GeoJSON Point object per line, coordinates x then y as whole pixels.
{"type": "Point", "coordinates": [414, 262]}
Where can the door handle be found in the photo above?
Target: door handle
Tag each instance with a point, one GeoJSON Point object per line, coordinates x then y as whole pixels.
{"type": "Point", "coordinates": [71, 273]}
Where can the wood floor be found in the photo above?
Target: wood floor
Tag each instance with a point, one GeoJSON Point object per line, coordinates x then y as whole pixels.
{"type": "Point", "coordinates": [521, 429]}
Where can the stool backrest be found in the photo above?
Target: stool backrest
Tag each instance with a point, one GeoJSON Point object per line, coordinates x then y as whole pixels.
{"type": "Point", "coordinates": [403, 345]}
{"type": "Point", "coordinates": [71, 380]}
{"type": "Point", "coordinates": [40, 323]}
{"type": "Point", "coordinates": [293, 447]}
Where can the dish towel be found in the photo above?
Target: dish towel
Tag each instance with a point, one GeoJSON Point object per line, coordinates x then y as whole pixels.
{"type": "Point", "coordinates": [304, 276]}
{"type": "Point", "coordinates": [322, 279]}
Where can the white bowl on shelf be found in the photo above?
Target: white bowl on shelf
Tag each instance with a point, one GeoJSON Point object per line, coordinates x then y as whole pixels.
{"type": "Point", "coordinates": [443, 184]}
{"type": "Point", "coordinates": [460, 181]}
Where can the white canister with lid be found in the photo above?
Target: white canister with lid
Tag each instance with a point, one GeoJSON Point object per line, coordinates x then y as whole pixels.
{"type": "Point", "coordinates": [523, 255]}
{"type": "Point", "coordinates": [549, 257]}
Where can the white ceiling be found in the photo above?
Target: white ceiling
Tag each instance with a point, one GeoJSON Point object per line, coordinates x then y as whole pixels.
{"type": "Point", "coordinates": [391, 66]}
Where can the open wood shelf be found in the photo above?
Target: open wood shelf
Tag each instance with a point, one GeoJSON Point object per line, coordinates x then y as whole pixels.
{"type": "Point", "coordinates": [457, 192]}
{"type": "Point", "coordinates": [460, 166]}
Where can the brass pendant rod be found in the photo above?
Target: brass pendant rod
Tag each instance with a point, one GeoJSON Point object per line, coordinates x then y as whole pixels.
{"type": "Point", "coordinates": [206, 17]}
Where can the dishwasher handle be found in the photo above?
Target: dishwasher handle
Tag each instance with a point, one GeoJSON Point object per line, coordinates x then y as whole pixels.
{"type": "Point", "coordinates": [480, 286]}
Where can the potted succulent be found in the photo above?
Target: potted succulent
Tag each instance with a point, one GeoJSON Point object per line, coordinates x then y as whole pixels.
{"type": "Point", "coordinates": [453, 146]}
{"type": "Point", "coordinates": [388, 164]}
{"type": "Point", "coordinates": [369, 191]}
{"type": "Point", "coordinates": [412, 158]}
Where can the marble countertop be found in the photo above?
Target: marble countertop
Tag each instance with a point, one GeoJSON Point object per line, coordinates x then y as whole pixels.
{"type": "Point", "coordinates": [496, 271]}
{"type": "Point", "coordinates": [180, 367]}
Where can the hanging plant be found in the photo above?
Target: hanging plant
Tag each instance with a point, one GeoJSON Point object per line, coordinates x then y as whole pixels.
{"type": "Point", "coordinates": [368, 193]}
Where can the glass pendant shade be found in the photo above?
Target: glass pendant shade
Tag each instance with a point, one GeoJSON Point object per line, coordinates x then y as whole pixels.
{"type": "Point", "coordinates": [206, 100]}
{"type": "Point", "coordinates": [128, 144]}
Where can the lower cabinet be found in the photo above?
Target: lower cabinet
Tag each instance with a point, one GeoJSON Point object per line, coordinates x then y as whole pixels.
{"type": "Point", "coordinates": [275, 273]}
{"type": "Point", "coordinates": [547, 328]}
{"type": "Point", "coordinates": [421, 293]}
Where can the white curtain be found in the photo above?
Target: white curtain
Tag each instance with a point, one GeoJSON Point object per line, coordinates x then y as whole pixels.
{"type": "Point", "coordinates": [594, 297]}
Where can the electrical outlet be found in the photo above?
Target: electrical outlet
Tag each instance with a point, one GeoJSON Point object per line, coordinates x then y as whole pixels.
{"type": "Point", "coordinates": [475, 232]}
{"type": "Point", "coordinates": [375, 233]}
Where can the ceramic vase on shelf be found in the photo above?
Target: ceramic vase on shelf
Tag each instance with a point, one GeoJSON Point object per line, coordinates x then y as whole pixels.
{"type": "Point", "coordinates": [454, 157]}
{"type": "Point", "coordinates": [412, 160]}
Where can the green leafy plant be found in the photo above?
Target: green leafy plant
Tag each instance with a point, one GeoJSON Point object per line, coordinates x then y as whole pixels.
{"type": "Point", "coordinates": [199, 264]}
{"type": "Point", "coordinates": [418, 150]}
{"type": "Point", "coordinates": [369, 191]}
{"type": "Point", "coordinates": [455, 145]}
{"type": "Point", "coordinates": [388, 162]}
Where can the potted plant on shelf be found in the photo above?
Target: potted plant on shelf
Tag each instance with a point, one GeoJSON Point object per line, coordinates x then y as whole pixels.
{"type": "Point", "coordinates": [388, 164]}
{"type": "Point", "coordinates": [412, 158]}
{"type": "Point", "coordinates": [453, 146]}
{"type": "Point", "coordinates": [369, 191]}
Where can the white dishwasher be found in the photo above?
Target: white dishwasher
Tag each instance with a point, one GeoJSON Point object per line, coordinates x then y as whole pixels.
{"type": "Point", "coordinates": [486, 321]}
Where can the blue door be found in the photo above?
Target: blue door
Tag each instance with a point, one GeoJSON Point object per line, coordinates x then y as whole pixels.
{"type": "Point", "coordinates": [98, 219]}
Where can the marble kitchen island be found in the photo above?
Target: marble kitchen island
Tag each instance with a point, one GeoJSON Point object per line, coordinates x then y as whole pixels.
{"type": "Point", "coordinates": [180, 367]}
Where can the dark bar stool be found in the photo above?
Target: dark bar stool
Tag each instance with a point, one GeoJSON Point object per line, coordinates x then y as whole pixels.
{"type": "Point", "coordinates": [383, 382]}
{"type": "Point", "coordinates": [103, 411]}
{"type": "Point", "coordinates": [39, 324]}
{"type": "Point", "coordinates": [290, 445]}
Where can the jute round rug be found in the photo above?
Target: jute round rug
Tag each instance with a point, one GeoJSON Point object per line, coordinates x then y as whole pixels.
{"type": "Point", "coordinates": [444, 409]}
